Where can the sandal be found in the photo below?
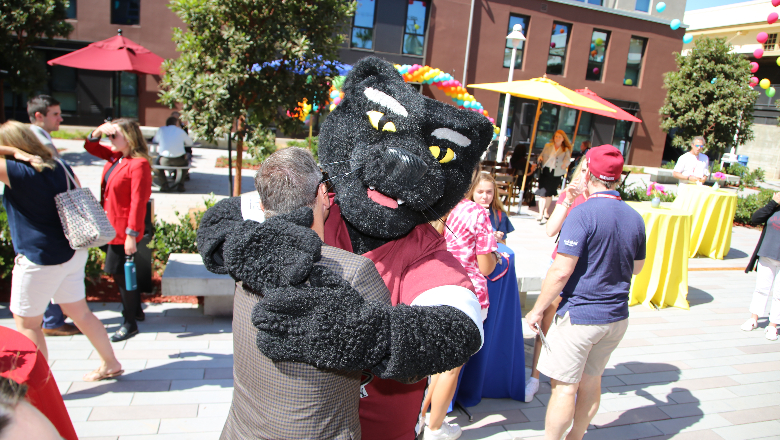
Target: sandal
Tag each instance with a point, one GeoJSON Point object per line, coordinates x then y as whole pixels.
{"type": "Point", "coordinates": [96, 375]}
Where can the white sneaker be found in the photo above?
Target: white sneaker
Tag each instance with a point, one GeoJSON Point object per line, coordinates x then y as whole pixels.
{"type": "Point", "coordinates": [531, 387]}
{"type": "Point", "coordinates": [446, 432]}
{"type": "Point", "coordinates": [771, 333]}
{"type": "Point", "coordinates": [749, 325]}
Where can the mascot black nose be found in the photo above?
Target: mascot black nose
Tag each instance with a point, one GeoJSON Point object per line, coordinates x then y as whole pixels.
{"type": "Point", "coordinates": [403, 167]}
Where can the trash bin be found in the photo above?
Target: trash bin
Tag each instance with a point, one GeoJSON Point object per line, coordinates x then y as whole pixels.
{"type": "Point", "coordinates": [742, 159]}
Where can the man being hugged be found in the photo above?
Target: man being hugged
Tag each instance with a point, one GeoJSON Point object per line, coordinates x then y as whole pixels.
{"type": "Point", "coordinates": [602, 244]}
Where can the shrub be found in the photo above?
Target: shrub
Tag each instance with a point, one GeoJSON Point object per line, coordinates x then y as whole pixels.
{"type": "Point", "coordinates": [747, 177]}
{"type": "Point", "coordinates": [7, 253]}
{"type": "Point", "coordinates": [668, 165]}
{"type": "Point", "coordinates": [177, 237]}
{"type": "Point", "coordinates": [94, 268]}
{"type": "Point", "coordinates": [75, 134]}
{"type": "Point", "coordinates": [305, 144]}
{"type": "Point", "coordinates": [747, 205]}
{"type": "Point", "coordinates": [261, 144]}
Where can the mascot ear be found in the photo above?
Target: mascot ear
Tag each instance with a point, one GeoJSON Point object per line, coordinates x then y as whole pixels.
{"type": "Point", "coordinates": [368, 67]}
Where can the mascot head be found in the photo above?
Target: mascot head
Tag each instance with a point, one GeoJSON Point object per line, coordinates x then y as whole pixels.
{"type": "Point", "coordinates": [396, 158]}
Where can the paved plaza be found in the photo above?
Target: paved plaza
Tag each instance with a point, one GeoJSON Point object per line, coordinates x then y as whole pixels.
{"type": "Point", "coordinates": [681, 374]}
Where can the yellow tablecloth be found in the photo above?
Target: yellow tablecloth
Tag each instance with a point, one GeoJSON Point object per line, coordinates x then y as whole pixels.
{"type": "Point", "coordinates": [664, 278]}
{"type": "Point", "coordinates": [713, 217]}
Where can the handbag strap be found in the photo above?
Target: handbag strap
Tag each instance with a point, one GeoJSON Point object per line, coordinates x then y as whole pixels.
{"type": "Point", "coordinates": [69, 178]}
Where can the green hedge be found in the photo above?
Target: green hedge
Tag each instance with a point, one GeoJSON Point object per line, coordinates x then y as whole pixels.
{"type": "Point", "coordinates": [177, 237]}
{"type": "Point", "coordinates": [747, 205]}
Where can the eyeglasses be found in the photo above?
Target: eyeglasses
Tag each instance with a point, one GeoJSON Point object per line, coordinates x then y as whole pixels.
{"type": "Point", "coordinates": [112, 136]}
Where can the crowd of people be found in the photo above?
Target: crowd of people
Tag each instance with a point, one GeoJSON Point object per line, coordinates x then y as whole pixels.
{"type": "Point", "coordinates": [580, 316]}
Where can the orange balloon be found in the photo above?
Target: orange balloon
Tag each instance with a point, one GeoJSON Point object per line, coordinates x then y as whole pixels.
{"type": "Point", "coordinates": [593, 53]}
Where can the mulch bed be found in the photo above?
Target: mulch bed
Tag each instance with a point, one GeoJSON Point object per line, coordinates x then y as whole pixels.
{"type": "Point", "coordinates": [222, 162]}
{"type": "Point", "coordinates": [106, 291]}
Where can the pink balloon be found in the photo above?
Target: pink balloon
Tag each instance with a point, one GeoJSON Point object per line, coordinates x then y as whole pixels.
{"type": "Point", "coordinates": [595, 70]}
{"type": "Point", "coordinates": [552, 45]}
{"type": "Point", "coordinates": [753, 81]}
{"type": "Point", "coordinates": [775, 3]}
{"type": "Point", "coordinates": [762, 37]}
{"type": "Point", "coordinates": [772, 18]}
{"type": "Point", "coordinates": [758, 53]}
{"type": "Point", "coordinates": [753, 67]}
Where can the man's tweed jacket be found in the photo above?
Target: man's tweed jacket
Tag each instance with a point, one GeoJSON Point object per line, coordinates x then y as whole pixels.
{"type": "Point", "coordinates": [290, 400]}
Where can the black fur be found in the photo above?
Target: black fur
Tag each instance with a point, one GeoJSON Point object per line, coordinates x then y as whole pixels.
{"type": "Point", "coordinates": [355, 155]}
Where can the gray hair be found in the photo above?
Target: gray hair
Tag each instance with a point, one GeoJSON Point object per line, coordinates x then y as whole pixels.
{"type": "Point", "coordinates": [609, 185]}
{"type": "Point", "coordinates": [699, 138]}
{"type": "Point", "coordinates": [288, 180]}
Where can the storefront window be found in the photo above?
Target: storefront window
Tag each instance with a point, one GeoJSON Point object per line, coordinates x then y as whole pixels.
{"type": "Point", "coordinates": [414, 33]}
{"type": "Point", "coordinates": [558, 42]}
{"type": "Point", "coordinates": [63, 88]}
{"type": "Point", "coordinates": [522, 21]}
{"type": "Point", "coordinates": [125, 11]}
{"type": "Point", "coordinates": [128, 95]}
{"type": "Point", "coordinates": [636, 52]}
{"type": "Point", "coordinates": [363, 25]}
{"type": "Point", "coordinates": [71, 9]}
{"type": "Point", "coordinates": [598, 50]}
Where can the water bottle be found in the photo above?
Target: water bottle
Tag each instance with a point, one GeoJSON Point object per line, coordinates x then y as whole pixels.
{"type": "Point", "coordinates": [131, 282]}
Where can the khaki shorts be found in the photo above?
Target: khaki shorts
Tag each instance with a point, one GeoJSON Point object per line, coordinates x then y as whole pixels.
{"type": "Point", "coordinates": [33, 286]}
{"type": "Point", "coordinates": [576, 349]}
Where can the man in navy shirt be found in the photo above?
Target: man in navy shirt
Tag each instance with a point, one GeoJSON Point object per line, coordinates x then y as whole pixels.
{"type": "Point", "coordinates": [601, 246]}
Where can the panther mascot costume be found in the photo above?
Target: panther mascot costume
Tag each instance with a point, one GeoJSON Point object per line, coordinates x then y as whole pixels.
{"type": "Point", "coordinates": [397, 160]}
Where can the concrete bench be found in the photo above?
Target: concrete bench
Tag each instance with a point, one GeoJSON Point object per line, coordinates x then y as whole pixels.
{"type": "Point", "coordinates": [179, 174]}
{"type": "Point", "coordinates": [185, 275]}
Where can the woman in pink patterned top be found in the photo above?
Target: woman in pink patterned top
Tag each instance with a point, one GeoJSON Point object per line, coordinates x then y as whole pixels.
{"type": "Point", "coordinates": [471, 240]}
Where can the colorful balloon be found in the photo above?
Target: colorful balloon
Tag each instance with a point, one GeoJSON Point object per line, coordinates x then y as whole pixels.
{"type": "Point", "coordinates": [552, 45]}
{"type": "Point", "coordinates": [714, 80]}
{"type": "Point", "coordinates": [770, 92]}
{"type": "Point", "coordinates": [753, 67]}
{"type": "Point", "coordinates": [595, 70]}
{"type": "Point", "coordinates": [628, 82]}
{"type": "Point", "coordinates": [660, 7]}
{"type": "Point", "coordinates": [775, 3]}
{"type": "Point", "coordinates": [599, 41]}
{"type": "Point", "coordinates": [762, 37]}
{"type": "Point", "coordinates": [758, 53]}
{"type": "Point", "coordinates": [592, 46]}
{"type": "Point", "coordinates": [765, 83]}
{"type": "Point", "coordinates": [753, 81]}
{"type": "Point", "coordinates": [772, 18]}
{"type": "Point", "coordinates": [687, 38]}
{"type": "Point", "coordinates": [593, 53]}
{"type": "Point", "coordinates": [675, 24]}
{"type": "Point", "coordinates": [778, 61]}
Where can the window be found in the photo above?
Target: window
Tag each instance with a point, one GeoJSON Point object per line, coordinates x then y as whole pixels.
{"type": "Point", "coordinates": [598, 49]}
{"type": "Point", "coordinates": [414, 33]}
{"type": "Point", "coordinates": [642, 5]}
{"type": "Point", "coordinates": [558, 43]}
{"type": "Point", "coordinates": [125, 11]}
{"type": "Point", "coordinates": [522, 21]}
{"type": "Point", "coordinates": [591, 2]}
{"type": "Point", "coordinates": [363, 25]}
{"type": "Point", "coordinates": [770, 43]}
{"type": "Point", "coordinates": [555, 117]}
{"type": "Point", "coordinates": [71, 9]}
{"type": "Point", "coordinates": [127, 105]}
{"type": "Point", "coordinates": [636, 52]}
{"type": "Point", "coordinates": [63, 88]}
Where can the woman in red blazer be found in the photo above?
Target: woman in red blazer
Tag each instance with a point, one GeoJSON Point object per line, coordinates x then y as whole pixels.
{"type": "Point", "coordinates": [124, 190]}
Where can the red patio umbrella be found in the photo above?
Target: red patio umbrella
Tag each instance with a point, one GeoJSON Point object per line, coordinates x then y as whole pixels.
{"type": "Point", "coordinates": [619, 113]}
{"type": "Point", "coordinates": [116, 53]}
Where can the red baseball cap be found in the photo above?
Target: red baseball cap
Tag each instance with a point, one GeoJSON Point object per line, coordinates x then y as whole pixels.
{"type": "Point", "coordinates": [605, 162]}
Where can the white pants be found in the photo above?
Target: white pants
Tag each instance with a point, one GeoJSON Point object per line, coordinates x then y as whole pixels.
{"type": "Point", "coordinates": [767, 281]}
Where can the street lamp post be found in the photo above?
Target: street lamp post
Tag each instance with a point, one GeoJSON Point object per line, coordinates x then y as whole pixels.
{"type": "Point", "coordinates": [516, 36]}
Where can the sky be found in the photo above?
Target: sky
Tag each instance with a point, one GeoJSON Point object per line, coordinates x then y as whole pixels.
{"type": "Point", "coordinates": [692, 5]}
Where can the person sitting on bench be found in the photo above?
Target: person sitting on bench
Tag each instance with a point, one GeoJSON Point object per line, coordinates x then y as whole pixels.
{"type": "Point", "coordinates": [170, 152]}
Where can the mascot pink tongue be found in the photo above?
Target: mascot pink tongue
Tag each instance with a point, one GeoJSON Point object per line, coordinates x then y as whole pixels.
{"type": "Point", "coordinates": [382, 199]}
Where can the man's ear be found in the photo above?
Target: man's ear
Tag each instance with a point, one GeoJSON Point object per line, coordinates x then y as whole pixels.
{"type": "Point", "coordinates": [39, 116]}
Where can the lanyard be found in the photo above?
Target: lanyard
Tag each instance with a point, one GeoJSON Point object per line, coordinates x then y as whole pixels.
{"type": "Point", "coordinates": [604, 196]}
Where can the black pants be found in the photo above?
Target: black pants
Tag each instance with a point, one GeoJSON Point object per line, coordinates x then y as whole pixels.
{"type": "Point", "coordinates": [131, 299]}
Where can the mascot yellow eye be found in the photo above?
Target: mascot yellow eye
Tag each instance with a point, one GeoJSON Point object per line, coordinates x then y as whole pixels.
{"type": "Point", "coordinates": [380, 122]}
{"type": "Point", "coordinates": [449, 155]}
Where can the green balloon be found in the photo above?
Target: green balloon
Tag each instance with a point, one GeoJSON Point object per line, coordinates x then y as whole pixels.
{"type": "Point", "coordinates": [770, 92]}
{"type": "Point", "coordinates": [599, 41]}
{"type": "Point", "coordinates": [629, 82]}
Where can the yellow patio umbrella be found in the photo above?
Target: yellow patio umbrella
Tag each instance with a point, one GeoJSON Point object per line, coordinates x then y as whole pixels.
{"type": "Point", "coordinates": [543, 90]}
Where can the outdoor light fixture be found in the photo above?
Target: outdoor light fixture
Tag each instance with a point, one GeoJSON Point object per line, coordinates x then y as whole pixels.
{"type": "Point", "coordinates": [516, 36]}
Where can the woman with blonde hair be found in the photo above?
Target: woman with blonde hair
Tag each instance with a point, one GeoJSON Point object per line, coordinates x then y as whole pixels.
{"type": "Point", "coordinates": [484, 192]}
{"type": "Point", "coordinates": [46, 269]}
{"type": "Point", "coordinates": [554, 160]}
{"type": "Point", "coordinates": [124, 191]}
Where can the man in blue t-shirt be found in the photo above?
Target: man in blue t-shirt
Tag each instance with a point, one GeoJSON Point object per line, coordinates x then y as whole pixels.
{"type": "Point", "coordinates": [601, 246]}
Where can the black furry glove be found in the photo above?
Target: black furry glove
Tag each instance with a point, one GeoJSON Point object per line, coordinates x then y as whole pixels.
{"type": "Point", "coordinates": [325, 323]}
{"type": "Point", "coordinates": [329, 325]}
{"type": "Point", "coordinates": [278, 252]}
{"type": "Point", "coordinates": [218, 223]}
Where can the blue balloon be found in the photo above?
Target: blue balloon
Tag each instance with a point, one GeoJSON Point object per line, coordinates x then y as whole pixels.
{"type": "Point", "coordinates": [687, 38]}
{"type": "Point", "coordinates": [675, 24]}
{"type": "Point", "coordinates": [713, 80]}
{"type": "Point", "coordinates": [660, 7]}
{"type": "Point", "coordinates": [592, 46]}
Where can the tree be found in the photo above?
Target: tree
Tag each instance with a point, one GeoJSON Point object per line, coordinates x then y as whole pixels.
{"type": "Point", "coordinates": [26, 22]}
{"type": "Point", "coordinates": [709, 96]}
{"type": "Point", "coordinates": [213, 77]}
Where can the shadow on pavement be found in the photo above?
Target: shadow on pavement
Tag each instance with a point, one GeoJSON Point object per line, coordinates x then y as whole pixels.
{"type": "Point", "coordinates": [82, 159]}
{"type": "Point", "coordinates": [698, 297]}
